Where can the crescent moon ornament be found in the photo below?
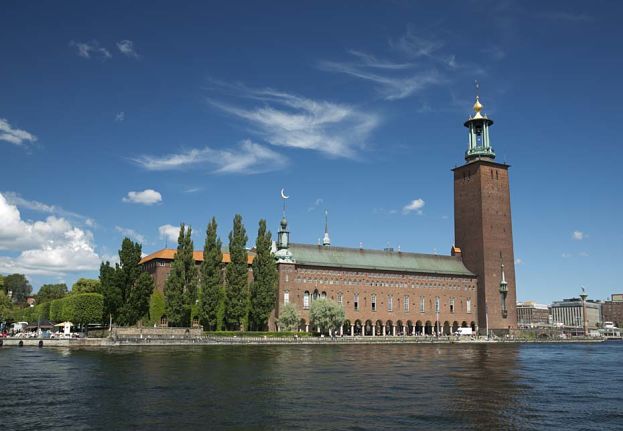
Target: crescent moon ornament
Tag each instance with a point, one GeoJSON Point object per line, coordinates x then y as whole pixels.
{"type": "Point", "coordinates": [283, 195]}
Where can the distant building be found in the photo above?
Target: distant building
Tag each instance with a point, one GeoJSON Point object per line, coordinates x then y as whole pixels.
{"type": "Point", "coordinates": [531, 314]}
{"type": "Point", "coordinates": [31, 301]}
{"type": "Point", "coordinates": [613, 309]}
{"type": "Point", "coordinates": [569, 313]}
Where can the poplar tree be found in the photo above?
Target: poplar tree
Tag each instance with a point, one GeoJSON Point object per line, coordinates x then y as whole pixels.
{"type": "Point", "coordinates": [237, 297]}
{"type": "Point", "coordinates": [180, 290]}
{"type": "Point", "coordinates": [212, 302]}
{"type": "Point", "coordinates": [263, 295]}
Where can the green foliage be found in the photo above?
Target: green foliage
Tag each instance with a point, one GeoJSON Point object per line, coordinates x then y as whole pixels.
{"type": "Point", "coordinates": [212, 299]}
{"type": "Point", "coordinates": [326, 314]}
{"type": "Point", "coordinates": [19, 285]}
{"type": "Point", "coordinates": [49, 292]}
{"type": "Point", "coordinates": [180, 290]}
{"type": "Point", "coordinates": [80, 309]}
{"type": "Point", "coordinates": [156, 307]}
{"type": "Point", "coordinates": [56, 310]}
{"type": "Point", "coordinates": [263, 290]}
{"type": "Point", "coordinates": [237, 297]}
{"type": "Point", "coordinates": [125, 288]}
{"type": "Point", "coordinates": [6, 308]}
{"type": "Point", "coordinates": [42, 311]}
{"type": "Point", "coordinates": [289, 318]}
{"type": "Point", "coordinates": [267, 334]}
{"type": "Point", "coordinates": [86, 285]}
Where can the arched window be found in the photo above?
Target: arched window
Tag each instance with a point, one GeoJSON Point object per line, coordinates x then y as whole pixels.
{"type": "Point", "coordinates": [324, 295]}
{"type": "Point", "coordinates": [373, 302]}
{"type": "Point", "coordinates": [469, 305]}
{"type": "Point", "coordinates": [306, 300]}
{"type": "Point", "coordinates": [316, 294]}
{"type": "Point", "coordinates": [390, 303]}
{"type": "Point", "coordinates": [286, 297]}
{"type": "Point", "coordinates": [437, 304]}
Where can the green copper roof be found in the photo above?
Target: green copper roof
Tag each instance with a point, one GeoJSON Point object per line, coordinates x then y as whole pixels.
{"type": "Point", "coordinates": [341, 257]}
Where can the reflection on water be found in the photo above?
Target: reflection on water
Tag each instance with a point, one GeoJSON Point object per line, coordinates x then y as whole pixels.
{"type": "Point", "coordinates": [314, 387]}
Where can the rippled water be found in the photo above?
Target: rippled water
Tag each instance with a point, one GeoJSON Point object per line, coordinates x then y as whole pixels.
{"type": "Point", "coordinates": [314, 387]}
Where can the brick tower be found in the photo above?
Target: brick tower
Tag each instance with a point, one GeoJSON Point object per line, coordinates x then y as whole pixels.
{"type": "Point", "coordinates": [483, 228]}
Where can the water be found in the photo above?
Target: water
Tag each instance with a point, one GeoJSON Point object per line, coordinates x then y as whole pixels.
{"type": "Point", "coordinates": [391, 387]}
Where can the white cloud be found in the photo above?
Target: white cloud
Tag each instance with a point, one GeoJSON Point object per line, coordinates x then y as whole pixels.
{"type": "Point", "coordinates": [146, 197]}
{"type": "Point", "coordinates": [247, 158]}
{"type": "Point", "coordinates": [91, 50]}
{"type": "Point", "coordinates": [315, 205]}
{"type": "Point", "coordinates": [519, 261]}
{"type": "Point", "coordinates": [20, 202]}
{"type": "Point", "coordinates": [415, 46]}
{"type": "Point", "coordinates": [169, 232]}
{"type": "Point", "coordinates": [566, 255]}
{"type": "Point", "coordinates": [126, 47]}
{"type": "Point", "coordinates": [14, 136]}
{"type": "Point", "coordinates": [583, 254]}
{"type": "Point", "coordinates": [415, 205]}
{"type": "Point", "coordinates": [130, 233]}
{"type": "Point", "coordinates": [578, 235]}
{"type": "Point", "coordinates": [287, 120]}
{"type": "Point", "coordinates": [49, 247]}
{"type": "Point", "coordinates": [120, 117]}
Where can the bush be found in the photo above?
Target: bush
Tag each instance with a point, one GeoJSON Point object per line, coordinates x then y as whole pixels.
{"type": "Point", "coordinates": [56, 309]}
{"type": "Point", "coordinates": [82, 308]}
{"type": "Point", "coordinates": [256, 334]}
{"type": "Point", "coordinates": [156, 307]}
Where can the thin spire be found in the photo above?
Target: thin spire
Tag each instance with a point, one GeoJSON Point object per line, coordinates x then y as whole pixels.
{"type": "Point", "coordinates": [326, 241]}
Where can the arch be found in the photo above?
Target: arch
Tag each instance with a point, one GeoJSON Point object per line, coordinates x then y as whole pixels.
{"type": "Point", "coordinates": [323, 294]}
{"type": "Point", "coordinates": [419, 328]}
{"type": "Point", "coordinates": [368, 327]}
{"type": "Point", "coordinates": [473, 326]}
{"type": "Point", "coordinates": [455, 326]}
{"type": "Point", "coordinates": [428, 328]}
{"type": "Point", "coordinates": [410, 328]}
{"type": "Point", "coordinates": [378, 327]}
{"type": "Point", "coordinates": [389, 325]}
{"type": "Point", "coordinates": [315, 295]}
{"type": "Point", "coordinates": [358, 327]}
{"type": "Point", "coordinates": [464, 324]}
{"type": "Point", "coordinates": [302, 325]}
{"type": "Point", "coordinates": [346, 327]}
{"type": "Point", "coordinates": [446, 328]}
{"type": "Point", "coordinates": [306, 300]}
{"type": "Point", "coordinates": [164, 322]}
{"type": "Point", "coordinates": [400, 328]}
{"type": "Point", "coordinates": [40, 343]}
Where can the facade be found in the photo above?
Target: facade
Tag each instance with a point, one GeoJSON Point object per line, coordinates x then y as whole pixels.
{"type": "Point", "coordinates": [483, 226]}
{"type": "Point", "coordinates": [570, 313]}
{"type": "Point", "coordinates": [387, 292]}
{"type": "Point", "coordinates": [532, 315]}
{"type": "Point", "coordinates": [613, 310]}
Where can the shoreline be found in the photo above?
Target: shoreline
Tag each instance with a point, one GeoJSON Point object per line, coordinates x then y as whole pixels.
{"type": "Point", "coordinates": [258, 341]}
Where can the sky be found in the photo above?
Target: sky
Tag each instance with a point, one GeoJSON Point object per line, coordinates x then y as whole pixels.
{"type": "Point", "coordinates": [129, 118]}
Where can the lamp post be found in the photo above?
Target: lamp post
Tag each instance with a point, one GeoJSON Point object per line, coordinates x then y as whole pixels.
{"type": "Point", "coordinates": [487, 319]}
{"type": "Point", "coordinates": [583, 295]}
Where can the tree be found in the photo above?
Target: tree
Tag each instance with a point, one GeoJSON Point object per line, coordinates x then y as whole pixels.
{"type": "Point", "coordinates": [19, 286]}
{"type": "Point", "coordinates": [180, 290]}
{"type": "Point", "coordinates": [263, 290]}
{"type": "Point", "coordinates": [126, 288]}
{"type": "Point", "coordinates": [86, 285]}
{"type": "Point", "coordinates": [212, 301]}
{"type": "Point", "coordinates": [56, 310]}
{"type": "Point", "coordinates": [237, 298]}
{"type": "Point", "coordinates": [49, 292]}
{"type": "Point", "coordinates": [326, 314]}
{"type": "Point", "coordinates": [289, 318]}
{"type": "Point", "coordinates": [156, 307]}
{"type": "Point", "coordinates": [87, 308]}
{"type": "Point", "coordinates": [6, 308]}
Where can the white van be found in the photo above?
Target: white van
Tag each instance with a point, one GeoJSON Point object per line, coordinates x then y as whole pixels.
{"type": "Point", "coordinates": [464, 331]}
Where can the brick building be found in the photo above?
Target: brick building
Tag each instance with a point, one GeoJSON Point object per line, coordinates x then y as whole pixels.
{"type": "Point", "coordinates": [386, 292]}
{"type": "Point", "coordinates": [613, 310]}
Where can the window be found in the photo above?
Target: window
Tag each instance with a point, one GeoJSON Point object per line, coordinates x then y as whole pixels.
{"type": "Point", "coordinates": [340, 298]}
{"type": "Point", "coordinates": [451, 305]}
{"type": "Point", "coordinates": [324, 295]}
{"type": "Point", "coordinates": [421, 304]}
{"type": "Point", "coordinates": [390, 303]}
{"type": "Point", "coordinates": [437, 304]}
{"type": "Point", "coordinates": [469, 305]}
{"type": "Point", "coordinates": [316, 295]}
{"type": "Point", "coordinates": [286, 297]}
{"type": "Point", "coordinates": [373, 300]}
{"type": "Point", "coordinates": [405, 303]}
{"type": "Point", "coordinates": [356, 302]}
{"type": "Point", "coordinates": [306, 300]}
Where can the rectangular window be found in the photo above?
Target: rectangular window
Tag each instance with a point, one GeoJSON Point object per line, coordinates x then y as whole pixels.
{"type": "Point", "coordinates": [373, 301]}
{"type": "Point", "coordinates": [390, 303]}
{"type": "Point", "coordinates": [451, 305]}
{"type": "Point", "coordinates": [340, 298]}
{"type": "Point", "coordinates": [421, 304]}
{"type": "Point", "coordinates": [306, 300]}
{"type": "Point", "coordinates": [469, 305]}
{"type": "Point", "coordinates": [286, 297]}
{"type": "Point", "coordinates": [437, 305]}
{"type": "Point", "coordinates": [356, 302]}
{"type": "Point", "coordinates": [405, 303]}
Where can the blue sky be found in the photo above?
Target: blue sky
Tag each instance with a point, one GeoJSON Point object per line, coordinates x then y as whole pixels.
{"type": "Point", "coordinates": [125, 119]}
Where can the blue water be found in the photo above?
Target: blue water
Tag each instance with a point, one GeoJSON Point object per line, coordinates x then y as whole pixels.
{"type": "Point", "coordinates": [367, 387]}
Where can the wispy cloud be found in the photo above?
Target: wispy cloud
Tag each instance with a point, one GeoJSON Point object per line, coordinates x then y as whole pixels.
{"type": "Point", "coordinates": [314, 206]}
{"type": "Point", "coordinates": [415, 205]}
{"type": "Point", "coordinates": [90, 50]}
{"type": "Point", "coordinates": [287, 120]}
{"type": "Point", "coordinates": [130, 233]}
{"type": "Point", "coordinates": [20, 202]}
{"type": "Point", "coordinates": [13, 135]}
{"type": "Point", "coordinates": [415, 46]}
{"type": "Point", "coordinates": [145, 197]}
{"type": "Point", "coordinates": [126, 47]}
{"type": "Point", "coordinates": [578, 235]}
{"type": "Point", "coordinates": [120, 117]}
{"type": "Point", "coordinates": [247, 158]}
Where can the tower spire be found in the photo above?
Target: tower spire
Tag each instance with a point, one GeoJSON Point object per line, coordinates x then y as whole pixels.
{"type": "Point", "coordinates": [479, 145]}
{"type": "Point", "coordinates": [283, 255]}
{"type": "Point", "coordinates": [326, 241]}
